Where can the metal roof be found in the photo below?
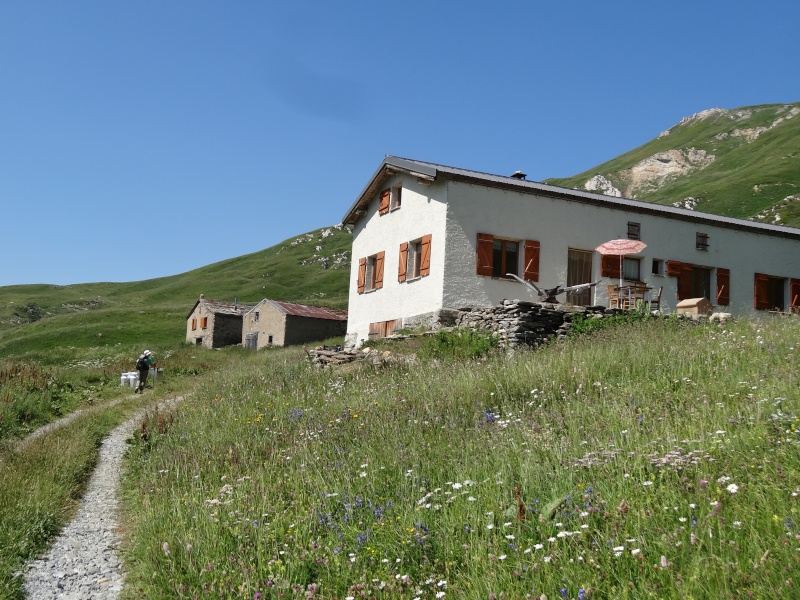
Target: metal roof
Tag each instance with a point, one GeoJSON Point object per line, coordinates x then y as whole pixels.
{"type": "Point", "coordinates": [305, 310]}
{"type": "Point", "coordinates": [428, 172]}
{"type": "Point", "coordinates": [221, 308]}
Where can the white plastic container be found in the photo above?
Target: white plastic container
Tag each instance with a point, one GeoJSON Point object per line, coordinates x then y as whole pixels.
{"type": "Point", "coordinates": [123, 379]}
{"type": "Point", "coordinates": [133, 378]}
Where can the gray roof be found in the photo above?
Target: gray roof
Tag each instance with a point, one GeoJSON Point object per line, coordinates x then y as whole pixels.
{"type": "Point", "coordinates": [429, 172]}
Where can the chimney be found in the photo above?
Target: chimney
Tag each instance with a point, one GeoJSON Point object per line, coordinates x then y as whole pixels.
{"type": "Point", "coordinates": [518, 175]}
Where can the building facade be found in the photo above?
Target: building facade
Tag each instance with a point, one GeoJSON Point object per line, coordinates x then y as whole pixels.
{"type": "Point", "coordinates": [277, 323]}
{"type": "Point", "coordinates": [429, 238]}
{"type": "Point", "coordinates": [214, 324]}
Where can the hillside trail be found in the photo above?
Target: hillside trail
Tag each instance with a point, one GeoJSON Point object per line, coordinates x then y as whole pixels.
{"type": "Point", "coordinates": [82, 562]}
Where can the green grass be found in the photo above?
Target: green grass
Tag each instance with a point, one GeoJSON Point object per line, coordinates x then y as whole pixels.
{"type": "Point", "coordinates": [37, 321]}
{"type": "Point", "coordinates": [655, 459]}
{"type": "Point", "coordinates": [746, 178]}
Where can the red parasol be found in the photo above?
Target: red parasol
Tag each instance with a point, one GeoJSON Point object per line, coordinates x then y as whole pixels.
{"type": "Point", "coordinates": [621, 247]}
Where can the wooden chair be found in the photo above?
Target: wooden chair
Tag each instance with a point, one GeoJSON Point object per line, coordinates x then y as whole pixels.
{"type": "Point", "coordinates": [613, 296]}
{"type": "Point", "coordinates": [655, 301]}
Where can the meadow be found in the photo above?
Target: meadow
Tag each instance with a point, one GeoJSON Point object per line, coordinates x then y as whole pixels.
{"type": "Point", "coordinates": [655, 459]}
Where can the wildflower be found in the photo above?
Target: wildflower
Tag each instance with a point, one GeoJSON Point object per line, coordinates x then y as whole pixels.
{"type": "Point", "coordinates": [457, 486]}
{"type": "Point", "coordinates": [664, 563]}
{"type": "Point", "coordinates": [166, 549]}
{"type": "Point", "coordinates": [581, 594]}
{"type": "Point", "coordinates": [538, 546]}
{"type": "Point", "coordinates": [502, 557]}
{"type": "Point", "coordinates": [646, 483]}
{"type": "Point", "coordinates": [732, 488]}
{"type": "Point", "coordinates": [636, 552]}
{"type": "Point", "coordinates": [440, 594]}
{"type": "Point", "coordinates": [563, 592]}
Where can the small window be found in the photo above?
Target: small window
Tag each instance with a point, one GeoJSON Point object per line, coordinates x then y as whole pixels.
{"type": "Point", "coordinates": [634, 231]}
{"type": "Point", "coordinates": [630, 269]}
{"type": "Point", "coordinates": [370, 273]}
{"type": "Point", "coordinates": [505, 258]}
{"type": "Point", "coordinates": [389, 199]}
{"type": "Point", "coordinates": [396, 197]}
{"type": "Point", "coordinates": [658, 267]}
{"type": "Point", "coordinates": [194, 324]}
{"type": "Point", "coordinates": [255, 317]}
{"type": "Point", "coordinates": [204, 323]}
{"type": "Point", "coordinates": [701, 241]}
{"type": "Point", "coordinates": [269, 340]}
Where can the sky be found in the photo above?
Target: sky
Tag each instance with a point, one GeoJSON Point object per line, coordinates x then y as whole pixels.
{"type": "Point", "coordinates": [145, 138]}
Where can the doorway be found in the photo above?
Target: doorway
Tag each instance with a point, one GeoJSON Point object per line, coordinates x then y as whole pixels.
{"type": "Point", "coordinates": [579, 270]}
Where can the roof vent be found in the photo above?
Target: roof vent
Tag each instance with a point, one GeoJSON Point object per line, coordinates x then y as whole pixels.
{"type": "Point", "coordinates": [518, 175]}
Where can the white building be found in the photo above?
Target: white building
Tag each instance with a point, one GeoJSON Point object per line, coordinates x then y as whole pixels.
{"type": "Point", "coordinates": [428, 238]}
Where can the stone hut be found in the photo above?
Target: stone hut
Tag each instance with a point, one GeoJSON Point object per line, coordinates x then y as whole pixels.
{"type": "Point", "coordinates": [214, 324]}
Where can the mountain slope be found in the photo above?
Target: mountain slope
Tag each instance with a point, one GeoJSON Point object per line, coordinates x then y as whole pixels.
{"type": "Point", "coordinates": [742, 163]}
{"type": "Point", "coordinates": [313, 268]}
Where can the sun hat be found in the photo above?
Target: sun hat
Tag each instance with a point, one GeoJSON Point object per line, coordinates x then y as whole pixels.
{"type": "Point", "coordinates": [147, 353]}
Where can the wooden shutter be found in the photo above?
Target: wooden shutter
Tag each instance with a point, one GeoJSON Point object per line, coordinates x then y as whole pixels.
{"type": "Point", "coordinates": [794, 295]}
{"type": "Point", "coordinates": [531, 270]}
{"type": "Point", "coordinates": [723, 287]}
{"type": "Point", "coordinates": [383, 207]}
{"type": "Point", "coordinates": [401, 270]}
{"type": "Point", "coordinates": [425, 263]}
{"type": "Point", "coordinates": [674, 268]}
{"type": "Point", "coordinates": [760, 297]}
{"type": "Point", "coordinates": [685, 282]}
{"type": "Point", "coordinates": [204, 322]}
{"type": "Point", "coordinates": [484, 257]}
{"type": "Point", "coordinates": [362, 274]}
{"type": "Point", "coordinates": [610, 267]}
{"type": "Point", "coordinates": [379, 270]}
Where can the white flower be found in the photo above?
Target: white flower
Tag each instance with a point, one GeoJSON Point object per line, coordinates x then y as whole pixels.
{"type": "Point", "coordinates": [636, 552]}
{"type": "Point", "coordinates": [538, 546]}
{"type": "Point", "coordinates": [457, 486]}
{"type": "Point", "coordinates": [647, 483]}
{"type": "Point", "coordinates": [502, 557]}
{"type": "Point", "coordinates": [490, 526]}
{"type": "Point", "coordinates": [440, 594]}
{"type": "Point", "coordinates": [723, 479]}
{"type": "Point", "coordinates": [732, 488]}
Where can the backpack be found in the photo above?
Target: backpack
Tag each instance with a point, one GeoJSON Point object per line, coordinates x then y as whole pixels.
{"type": "Point", "coordinates": [141, 364]}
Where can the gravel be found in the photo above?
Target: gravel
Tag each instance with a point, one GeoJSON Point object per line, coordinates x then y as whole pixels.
{"type": "Point", "coordinates": [83, 561]}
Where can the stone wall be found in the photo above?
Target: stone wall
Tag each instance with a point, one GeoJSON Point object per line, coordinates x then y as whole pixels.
{"type": "Point", "coordinates": [523, 323]}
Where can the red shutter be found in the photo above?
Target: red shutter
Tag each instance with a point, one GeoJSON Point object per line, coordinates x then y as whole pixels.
{"type": "Point", "coordinates": [685, 282]}
{"type": "Point", "coordinates": [760, 299]}
{"type": "Point", "coordinates": [794, 296]}
{"type": "Point", "coordinates": [610, 267]}
{"type": "Point", "coordinates": [485, 248]}
{"type": "Point", "coordinates": [362, 274]}
{"type": "Point", "coordinates": [401, 271]}
{"type": "Point", "coordinates": [425, 263]}
{"type": "Point", "coordinates": [379, 270]}
{"type": "Point", "coordinates": [383, 207]}
{"type": "Point", "coordinates": [531, 271]}
{"type": "Point", "coordinates": [723, 287]}
{"type": "Point", "coordinates": [674, 268]}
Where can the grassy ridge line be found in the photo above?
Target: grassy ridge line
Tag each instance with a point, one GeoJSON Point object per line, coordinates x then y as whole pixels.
{"type": "Point", "coordinates": [654, 460]}
{"type": "Point", "coordinates": [746, 178]}
{"type": "Point", "coordinates": [153, 312]}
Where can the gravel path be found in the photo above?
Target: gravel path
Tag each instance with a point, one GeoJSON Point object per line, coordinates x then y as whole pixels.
{"type": "Point", "coordinates": [83, 561]}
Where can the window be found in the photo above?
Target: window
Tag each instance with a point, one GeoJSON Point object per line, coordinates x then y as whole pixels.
{"type": "Point", "coordinates": [701, 241]}
{"type": "Point", "coordinates": [630, 269]}
{"type": "Point", "coordinates": [256, 315]}
{"type": "Point", "coordinates": [658, 267]}
{"type": "Point", "coordinates": [794, 296]}
{"type": "Point", "coordinates": [579, 270]}
{"type": "Point", "coordinates": [415, 259]}
{"type": "Point", "coordinates": [269, 340]}
{"type": "Point", "coordinates": [693, 281]}
{"type": "Point", "coordinates": [203, 322]}
{"type": "Point", "coordinates": [390, 199]}
{"type": "Point", "coordinates": [370, 273]}
{"type": "Point", "coordinates": [634, 231]}
{"type": "Point", "coordinates": [497, 256]}
{"type": "Point", "coordinates": [194, 324]}
{"type": "Point", "coordinates": [769, 292]}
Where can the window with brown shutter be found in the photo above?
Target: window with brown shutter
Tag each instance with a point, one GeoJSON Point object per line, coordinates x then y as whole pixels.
{"type": "Point", "coordinates": [378, 279]}
{"type": "Point", "coordinates": [685, 282]}
{"type": "Point", "coordinates": [484, 254]}
{"type": "Point", "coordinates": [531, 258]}
{"type": "Point", "coordinates": [723, 287]}
{"type": "Point", "coordinates": [204, 323]}
{"type": "Point", "coordinates": [760, 291]}
{"type": "Point", "coordinates": [401, 269]}
{"type": "Point", "coordinates": [701, 241]}
{"type": "Point", "coordinates": [674, 268]}
{"type": "Point", "coordinates": [634, 230]}
{"type": "Point", "coordinates": [362, 274]}
{"type": "Point", "coordinates": [610, 267]}
{"type": "Point", "coordinates": [383, 206]}
{"type": "Point", "coordinates": [194, 324]}
{"type": "Point", "coordinates": [425, 260]}
{"type": "Point", "coordinates": [794, 296]}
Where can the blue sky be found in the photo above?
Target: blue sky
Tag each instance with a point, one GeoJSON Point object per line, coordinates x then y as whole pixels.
{"type": "Point", "coordinates": [145, 139]}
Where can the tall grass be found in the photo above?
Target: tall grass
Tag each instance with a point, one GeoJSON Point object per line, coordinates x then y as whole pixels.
{"type": "Point", "coordinates": [655, 460]}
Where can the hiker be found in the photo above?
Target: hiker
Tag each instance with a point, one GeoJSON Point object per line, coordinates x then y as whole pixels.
{"type": "Point", "coordinates": [143, 364]}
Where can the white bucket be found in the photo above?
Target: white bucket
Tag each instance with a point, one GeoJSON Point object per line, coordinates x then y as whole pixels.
{"type": "Point", "coordinates": [133, 379]}
{"type": "Point", "coordinates": [123, 379]}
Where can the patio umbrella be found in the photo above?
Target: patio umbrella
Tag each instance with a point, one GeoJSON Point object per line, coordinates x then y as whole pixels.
{"type": "Point", "coordinates": [621, 247]}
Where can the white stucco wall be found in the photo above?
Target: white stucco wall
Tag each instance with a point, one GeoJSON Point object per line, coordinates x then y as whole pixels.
{"type": "Point", "coordinates": [560, 224]}
{"type": "Point", "coordinates": [422, 212]}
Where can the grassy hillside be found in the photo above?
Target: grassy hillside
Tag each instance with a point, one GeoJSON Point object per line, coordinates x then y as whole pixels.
{"type": "Point", "coordinates": [37, 318]}
{"type": "Point", "coordinates": [755, 172]}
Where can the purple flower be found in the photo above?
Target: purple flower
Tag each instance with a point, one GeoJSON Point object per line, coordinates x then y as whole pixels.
{"type": "Point", "coordinates": [581, 594]}
{"type": "Point", "coordinates": [563, 592]}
